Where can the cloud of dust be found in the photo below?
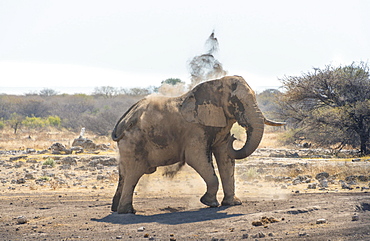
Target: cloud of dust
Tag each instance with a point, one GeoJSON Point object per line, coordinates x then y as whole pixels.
{"type": "Point", "coordinates": [206, 66]}
{"type": "Point", "coordinates": [251, 186]}
{"type": "Point", "coordinates": [202, 67]}
{"type": "Point", "coordinates": [172, 90]}
{"type": "Point", "coordinates": [186, 184]}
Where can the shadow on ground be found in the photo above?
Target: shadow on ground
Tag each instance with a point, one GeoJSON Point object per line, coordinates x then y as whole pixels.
{"type": "Point", "coordinates": [173, 218]}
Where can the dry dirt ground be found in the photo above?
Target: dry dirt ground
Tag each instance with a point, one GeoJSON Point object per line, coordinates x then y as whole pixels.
{"type": "Point", "coordinates": [169, 209]}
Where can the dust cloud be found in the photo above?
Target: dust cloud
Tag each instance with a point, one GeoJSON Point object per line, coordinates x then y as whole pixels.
{"type": "Point", "coordinates": [201, 67]}
{"type": "Point", "coordinates": [188, 185]}
{"type": "Point", "coordinates": [205, 66]}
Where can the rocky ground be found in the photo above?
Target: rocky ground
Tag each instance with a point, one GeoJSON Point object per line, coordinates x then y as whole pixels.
{"type": "Point", "coordinates": [288, 195]}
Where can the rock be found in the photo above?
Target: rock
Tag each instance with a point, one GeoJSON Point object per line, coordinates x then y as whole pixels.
{"type": "Point", "coordinates": [58, 148]}
{"type": "Point", "coordinates": [88, 144]}
{"type": "Point", "coordinates": [21, 181]}
{"type": "Point", "coordinates": [277, 155]}
{"type": "Point", "coordinates": [141, 229]}
{"type": "Point", "coordinates": [344, 185]}
{"type": "Point", "coordinates": [30, 150]}
{"type": "Point", "coordinates": [119, 237]}
{"type": "Point", "coordinates": [312, 186]}
{"type": "Point", "coordinates": [322, 175]}
{"type": "Point", "coordinates": [245, 236]}
{"type": "Point", "coordinates": [292, 155]}
{"type": "Point", "coordinates": [356, 160]}
{"type": "Point", "coordinates": [284, 186]}
{"type": "Point", "coordinates": [29, 176]}
{"type": "Point", "coordinates": [65, 167]}
{"type": "Point", "coordinates": [323, 183]}
{"type": "Point", "coordinates": [296, 181]}
{"type": "Point", "coordinates": [320, 221]}
{"type": "Point", "coordinates": [103, 160]}
{"type": "Point", "coordinates": [22, 220]}
{"type": "Point", "coordinates": [69, 161]}
{"type": "Point", "coordinates": [355, 217]}
{"type": "Point", "coordinates": [269, 178]}
{"type": "Point", "coordinates": [259, 235]}
{"type": "Point", "coordinates": [363, 178]}
{"type": "Point", "coordinates": [17, 158]}
{"type": "Point", "coordinates": [100, 177]}
{"type": "Point", "coordinates": [257, 223]}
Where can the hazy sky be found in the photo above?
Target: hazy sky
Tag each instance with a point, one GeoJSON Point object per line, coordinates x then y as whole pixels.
{"type": "Point", "coordinates": [121, 43]}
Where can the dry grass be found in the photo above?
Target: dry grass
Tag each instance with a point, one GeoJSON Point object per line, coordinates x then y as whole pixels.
{"type": "Point", "coordinates": [271, 137]}
{"type": "Point", "coordinates": [42, 139]}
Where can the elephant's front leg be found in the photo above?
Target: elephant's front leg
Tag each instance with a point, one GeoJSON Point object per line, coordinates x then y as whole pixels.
{"type": "Point", "coordinates": [203, 165]}
{"type": "Point", "coordinates": [226, 168]}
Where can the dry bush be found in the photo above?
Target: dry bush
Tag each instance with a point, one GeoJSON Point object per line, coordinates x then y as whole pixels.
{"type": "Point", "coordinates": [54, 184]}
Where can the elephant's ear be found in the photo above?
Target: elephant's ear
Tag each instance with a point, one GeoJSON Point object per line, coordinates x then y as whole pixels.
{"type": "Point", "coordinates": [206, 113]}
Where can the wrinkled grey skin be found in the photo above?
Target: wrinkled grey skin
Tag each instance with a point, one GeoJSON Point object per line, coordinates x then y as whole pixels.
{"type": "Point", "coordinates": [160, 131]}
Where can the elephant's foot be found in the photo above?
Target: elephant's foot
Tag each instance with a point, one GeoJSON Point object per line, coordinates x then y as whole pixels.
{"type": "Point", "coordinates": [115, 203]}
{"type": "Point", "coordinates": [127, 208]}
{"type": "Point", "coordinates": [209, 200]}
{"type": "Point", "coordinates": [232, 201]}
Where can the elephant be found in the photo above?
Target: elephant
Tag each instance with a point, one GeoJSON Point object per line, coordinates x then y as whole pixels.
{"type": "Point", "coordinates": [160, 131]}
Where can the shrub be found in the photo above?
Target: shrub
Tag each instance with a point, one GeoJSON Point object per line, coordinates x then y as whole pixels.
{"type": "Point", "coordinates": [34, 122]}
{"type": "Point", "coordinates": [54, 121]}
{"type": "Point", "coordinates": [49, 161]}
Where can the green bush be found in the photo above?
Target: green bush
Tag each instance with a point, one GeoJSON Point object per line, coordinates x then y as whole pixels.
{"type": "Point", "coordinates": [34, 122]}
{"type": "Point", "coordinates": [54, 121]}
{"type": "Point", "coordinates": [49, 161]}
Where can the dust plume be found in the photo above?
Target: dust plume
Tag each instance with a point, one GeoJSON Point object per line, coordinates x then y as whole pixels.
{"type": "Point", "coordinates": [172, 90]}
{"type": "Point", "coordinates": [202, 67]}
{"type": "Point", "coordinates": [206, 66]}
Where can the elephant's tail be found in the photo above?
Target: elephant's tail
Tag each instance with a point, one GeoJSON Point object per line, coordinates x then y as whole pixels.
{"type": "Point", "coordinates": [119, 129]}
{"type": "Point", "coordinates": [172, 170]}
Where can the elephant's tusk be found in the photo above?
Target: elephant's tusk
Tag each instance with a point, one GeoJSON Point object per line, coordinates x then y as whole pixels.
{"type": "Point", "coordinates": [273, 123]}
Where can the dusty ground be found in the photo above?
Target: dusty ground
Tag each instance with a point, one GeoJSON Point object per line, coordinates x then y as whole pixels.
{"type": "Point", "coordinates": [73, 202]}
{"type": "Point", "coordinates": [170, 209]}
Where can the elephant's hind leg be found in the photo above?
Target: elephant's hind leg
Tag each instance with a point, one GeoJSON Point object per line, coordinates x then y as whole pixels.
{"type": "Point", "coordinates": [130, 180]}
{"type": "Point", "coordinates": [118, 194]}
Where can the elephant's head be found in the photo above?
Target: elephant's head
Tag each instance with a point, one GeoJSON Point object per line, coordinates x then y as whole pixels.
{"type": "Point", "coordinates": [218, 103]}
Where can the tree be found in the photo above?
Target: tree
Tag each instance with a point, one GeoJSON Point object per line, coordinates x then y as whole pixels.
{"type": "Point", "coordinates": [48, 92]}
{"type": "Point", "coordinates": [106, 91]}
{"type": "Point", "coordinates": [267, 102]}
{"type": "Point", "coordinates": [172, 81]}
{"type": "Point", "coordinates": [15, 121]}
{"type": "Point", "coordinates": [331, 105]}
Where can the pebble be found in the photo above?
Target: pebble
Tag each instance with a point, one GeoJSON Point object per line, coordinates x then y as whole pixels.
{"type": "Point", "coordinates": [355, 217]}
{"type": "Point", "coordinates": [321, 221]}
{"type": "Point", "coordinates": [22, 220]}
{"type": "Point", "coordinates": [141, 229]}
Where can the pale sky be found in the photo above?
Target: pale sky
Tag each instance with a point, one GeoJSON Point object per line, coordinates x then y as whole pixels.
{"type": "Point", "coordinates": [121, 43]}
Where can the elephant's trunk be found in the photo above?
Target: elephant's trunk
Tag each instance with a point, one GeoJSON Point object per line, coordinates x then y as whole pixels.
{"type": "Point", "coordinates": [254, 131]}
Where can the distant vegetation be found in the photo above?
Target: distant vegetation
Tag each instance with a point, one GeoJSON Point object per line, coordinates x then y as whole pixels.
{"type": "Point", "coordinates": [328, 107]}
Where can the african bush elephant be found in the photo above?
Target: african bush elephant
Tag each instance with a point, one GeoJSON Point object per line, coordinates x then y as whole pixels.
{"type": "Point", "coordinates": [160, 131]}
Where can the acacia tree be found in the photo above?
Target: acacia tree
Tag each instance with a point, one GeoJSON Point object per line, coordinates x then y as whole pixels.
{"type": "Point", "coordinates": [331, 105]}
